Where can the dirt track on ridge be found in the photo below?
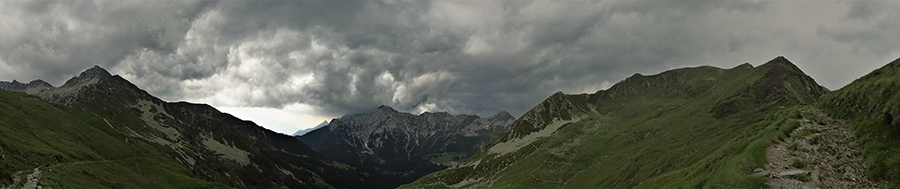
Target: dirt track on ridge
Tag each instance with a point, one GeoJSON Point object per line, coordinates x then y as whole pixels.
{"type": "Point", "coordinates": [821, 153]}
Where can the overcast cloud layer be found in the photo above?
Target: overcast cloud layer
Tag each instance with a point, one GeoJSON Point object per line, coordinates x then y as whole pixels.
{"type": "Point", "coordinates": [473, 57]}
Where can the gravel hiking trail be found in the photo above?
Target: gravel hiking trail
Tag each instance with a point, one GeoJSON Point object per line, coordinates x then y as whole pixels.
{"type": "Point", "coordinates": [821, 153]}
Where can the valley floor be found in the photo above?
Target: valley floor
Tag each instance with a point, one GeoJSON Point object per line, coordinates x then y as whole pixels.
{"type": "Point", "coordinates": [821, 153]}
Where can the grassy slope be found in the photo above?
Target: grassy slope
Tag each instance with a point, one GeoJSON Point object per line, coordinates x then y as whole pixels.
{"type": "Point", "coordinates": [210, 145]}
{"type": "Point", "coordinates": [76, 149]}
{"type": "Point", "coordinates": [273, 160]}
{"type": "Point", "coordinates": [693, 127]}
{"type": "Point", "coordinates": [872, 104]}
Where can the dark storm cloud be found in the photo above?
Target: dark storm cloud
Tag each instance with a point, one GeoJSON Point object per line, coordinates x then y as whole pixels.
{"type": "Point", "coordinates": [478, 57]}
{"type": "Point", "coordinates": [51, 39]}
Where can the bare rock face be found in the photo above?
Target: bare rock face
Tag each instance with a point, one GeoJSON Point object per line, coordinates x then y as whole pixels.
{"type": "Point", "coordinates": [64, 94]}
{"type": "Point", "coordinates": [402, 147]}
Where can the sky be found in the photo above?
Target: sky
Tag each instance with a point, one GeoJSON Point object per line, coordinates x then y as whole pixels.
{"type": "Point", "coordinates": [289, 65]}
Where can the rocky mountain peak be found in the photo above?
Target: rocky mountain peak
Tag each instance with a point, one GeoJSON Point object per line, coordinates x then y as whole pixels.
{"type": "Point", "coordinates": [437, 114]}
{"type": "Point", "coordinates": [96, 70]}
{"type": "Point", "coordinates": [89, 76]}
{"type": "Point", "coordinates": [502, 115]}
{"type": "Point", "coordinates": [32, 87]}
{"type": "Point", "coordinates": [401, 146]}
{"type": "Point", "coordinates": [385, 109]}
{"type": "Point", "coordinates": [781, 62]}
{"type": "Point", "coordinates": [73, 88]}
{"type": "Point", "coordinates": [38, 82]}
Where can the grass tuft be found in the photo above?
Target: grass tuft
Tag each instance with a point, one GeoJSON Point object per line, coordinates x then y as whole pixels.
{"type": "Point", "coordinates": [798, 163]}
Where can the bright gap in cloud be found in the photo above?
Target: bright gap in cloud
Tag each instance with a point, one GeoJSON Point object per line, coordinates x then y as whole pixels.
{"type": "Point", "coordinates": [287, 120]}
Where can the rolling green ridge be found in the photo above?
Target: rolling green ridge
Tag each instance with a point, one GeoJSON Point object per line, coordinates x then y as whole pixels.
{"type": "Point", "coordinates": [872, 104]}
{"type": "Point", "coordinates": [701, 127]}
{"type": "Point", "coordinates": [76, 149]}
{"type": "Point", "coordinates": [174, 141]}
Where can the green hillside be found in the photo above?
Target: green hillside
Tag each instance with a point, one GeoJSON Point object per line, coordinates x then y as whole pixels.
{"type": "Point", "coordinates": [76, 149]}
{"type": "Point", "coordinates": [114, 132]}
{"type": "Point", "coordinates": [872, 104]}
{"type": "Point", "coordinates": [686, 128]}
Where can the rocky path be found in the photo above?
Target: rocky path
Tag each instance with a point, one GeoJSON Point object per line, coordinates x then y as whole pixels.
{"type": "Point", "coordinates": [821, 153]}
{"type": "Point", "coordinates": [33, 180]}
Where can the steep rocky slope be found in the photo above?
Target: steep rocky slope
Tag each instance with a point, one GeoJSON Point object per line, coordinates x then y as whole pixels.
{"type": "Point", "coordinates": [690, 127]}
{"type": "Point", "coordinates": [402, 147]}
{"type": "Point", "coordinates": [64, 94]}
{"type": "Point", "coordinates": [872, 105]}
{"type": "Point", "coordinates": [47, 145]}
{"type": "Point", "coordinates": [213, 146]}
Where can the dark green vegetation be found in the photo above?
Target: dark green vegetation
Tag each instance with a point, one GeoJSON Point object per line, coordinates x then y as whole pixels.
{"type": "Point", "coordinates": [116, 135]}
{"type": "Point", "coordinates": [401, 147]}
{"type": "Point", "coordinates": [701, 127]}
{"type": "Point", "coordinates": [872, 104]}
{"type": "Point", "coordinates": [77, 149]}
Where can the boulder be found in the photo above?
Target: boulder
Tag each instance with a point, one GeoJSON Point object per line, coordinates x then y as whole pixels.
{"type": "Point", "coordinates": [792, 173]}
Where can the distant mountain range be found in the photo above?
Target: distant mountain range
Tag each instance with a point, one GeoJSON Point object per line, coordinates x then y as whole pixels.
{"type": "Point", "coordinates": [301, 132]}
{"type": "Point", "coordinates": [402, 147]}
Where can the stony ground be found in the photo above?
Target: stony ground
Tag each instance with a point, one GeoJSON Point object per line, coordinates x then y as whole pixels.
{"type": "Point", "coordinates": [30, 182]}
{"type": "Point", "coordinates": [33, 179]}
{"type": "Point", "coordinates": [821, 153]}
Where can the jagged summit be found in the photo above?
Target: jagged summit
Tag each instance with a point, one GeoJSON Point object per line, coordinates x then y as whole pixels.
{"type": "Point", "coordinates": [402, 146]}
{"type": "Point", "coordinates": [96, 70]}
{"type": "Point", "coordinates": [438, 114]}
{"type": "Point", "coordinates": [64, 94]}
{"type": "Point", "coordinates": [91, 75]}
{"type": "Point", "coordinates": [38, 82]}
{"type": "Point", "coordinates": [385, 108]}
{"type": "Point", "coordinates": [16, 84]}
{"type": "Point", "coordinates": [501, 114]}
{"type": "Point", "coordinates": [782, 62]}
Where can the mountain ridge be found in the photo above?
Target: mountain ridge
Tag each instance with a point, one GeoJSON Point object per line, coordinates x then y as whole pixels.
{"type": "Point", "coordinates": [565, 139]}
{"type": "Point", "coordinates": [401, 146]}
{"type": "Point", "coordinates": [233, 151]}
{"type": "Point", "coordinates": [64, 94]}
{"type": "Point", "coordinates": [302, 132]}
